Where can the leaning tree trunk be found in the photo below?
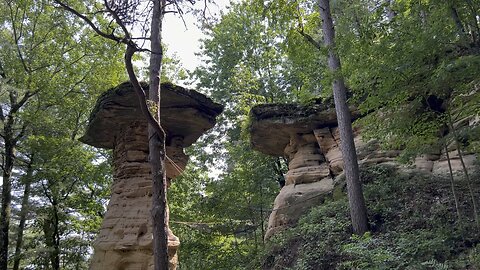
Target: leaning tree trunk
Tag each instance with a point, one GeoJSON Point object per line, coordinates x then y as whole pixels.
{"type": "Point", "coordinates": [157, 145]}
{"type": "Point", "coordinates": [465, 171]}
{"type": "Point", "coordinates": [358, 211]}
{"type": "Point", "coordinates": [452, 185]}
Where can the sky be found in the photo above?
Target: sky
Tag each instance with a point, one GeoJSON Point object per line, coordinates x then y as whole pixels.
{"type": "Point", "coordinates": [184, 39]}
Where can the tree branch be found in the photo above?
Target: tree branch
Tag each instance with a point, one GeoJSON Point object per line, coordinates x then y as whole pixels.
{"type": "Point", "coordinates": [310, 39]}
{"type": "Point", "coordinates": [2, 116]}
{"type": "Point", "coordinates": [20, 134]}
{"type": "Point", "coordinates": [90, 23]}
{"type": "Point", "coordinates": [2, 71]}
{"type": "Point", "coordinates": [117, 20]}
{"type": "Point", "coordinates": [139, 90]}
{"type": "Point", "coordinates": [16, 106]}
{"type": "Point", "coordinates": [17, 36]}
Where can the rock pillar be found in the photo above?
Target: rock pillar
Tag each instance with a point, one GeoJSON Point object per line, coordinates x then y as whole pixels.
{"type": "Point", "coordinates": [125, 238]}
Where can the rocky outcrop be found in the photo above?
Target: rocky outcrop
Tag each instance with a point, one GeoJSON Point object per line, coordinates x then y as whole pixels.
{"type": "Point", "coordinates": [125, 238]}
{"type": "Point", "coordinates": [308, 137]}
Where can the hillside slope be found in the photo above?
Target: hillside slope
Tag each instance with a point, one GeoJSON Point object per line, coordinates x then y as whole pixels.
{"type": "Point", "coordinates": [413, 224]}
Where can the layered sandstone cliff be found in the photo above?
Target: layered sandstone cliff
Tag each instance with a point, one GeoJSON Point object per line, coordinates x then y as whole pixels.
{"type": "Point", "coordinates": [307, 136]}
{"type": "Point", "coordinates": [125, 238]}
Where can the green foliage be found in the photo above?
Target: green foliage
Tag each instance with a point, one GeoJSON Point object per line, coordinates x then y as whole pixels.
{"type": "Point", "coordinates": [413, 224]}
{"type": "Point", "coordinates": [221, 222]}
{"type": "Point", "coordinates": [408, 64]}
{"type": "Point", "coordinates": [64, 65]}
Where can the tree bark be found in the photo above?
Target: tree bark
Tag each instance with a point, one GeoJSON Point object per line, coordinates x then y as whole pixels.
{"type": "Point", "coordinates": [452, 184]}
{"type": "Point", "coordinates": [23, 216]}
{"type": "Point", "coordinates": [465, 171]}
{"type": "Point", "coordinates": [358, 211]}
{"type": "Point", "coordinates": [157, 145]}
{"type": "Point", "coordinates": [6, 193]}
{"type": "Point", "coordinates": [456, 19]}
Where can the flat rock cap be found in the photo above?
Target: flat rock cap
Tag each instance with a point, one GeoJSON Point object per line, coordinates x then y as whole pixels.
{"type": "Point", "coordinates": [184, 113]}
{"type": "Point", "coordinates": [272, 125]}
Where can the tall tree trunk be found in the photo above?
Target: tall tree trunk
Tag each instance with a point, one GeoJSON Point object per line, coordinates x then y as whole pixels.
{"type": "Point", "coordinates": [358, 210]}
{"type": "Point", "coordinates": [475, 26]}
{"type": "Point", "coordinates": [452, 184]}
{"type": "Point", "coordinates": [157, 145]}
{"type": "Point", "coordinates": [6, 194]}
{"type": "Point", "coordinates": [55, 255]}
{"type": "Point", "coordinates": [23, 216]}
{"type": "Point", "coordinates": [456, 19]}
{"type": "Point", "coordinates": [390, 13]}
{"type": "Point", "coordinates": [465, 171]}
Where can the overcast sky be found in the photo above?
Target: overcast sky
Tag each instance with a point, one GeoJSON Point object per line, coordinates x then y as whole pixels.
{"type": "Point", "coordinates": [184, 41]}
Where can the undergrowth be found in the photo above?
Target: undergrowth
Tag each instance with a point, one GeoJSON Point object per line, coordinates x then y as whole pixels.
{"type": "Point", "coordinates": [413, 225]}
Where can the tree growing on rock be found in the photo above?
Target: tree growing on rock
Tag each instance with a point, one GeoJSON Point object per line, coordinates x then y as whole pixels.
{"type": "Point", "coordinates": [358, 210]}
{"type": "Point", "coordinates": [117, 20]}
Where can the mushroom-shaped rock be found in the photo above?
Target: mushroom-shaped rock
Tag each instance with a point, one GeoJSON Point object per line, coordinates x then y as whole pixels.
{"type": "Point", "coordinates": [307, 136]}
{"type": "Point", "coordinates": [184, 113]}
{"type": "Point", "coordinates": [125, 238]}
{"type": "Point", "coordinates": [273, 125]}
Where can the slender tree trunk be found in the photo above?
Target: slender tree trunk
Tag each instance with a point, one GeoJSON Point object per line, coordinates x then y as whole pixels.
{"type": "Point", "coordinates": [465, 171]}
{"type": "Point", "coordinates": [55, 255]}
{"type": "Point", "coordinates": [6, 194]}
{"type": "Point", "coordinates": [475, 26]}
{"type": "Point", "coordinates": [23, 216]}
{"type": "Point", "coordinates": [358, 210]}
{"type": "Point", "coordinates": [390, 12]}
{"type": "Point", "coordinates": [262, 222]}
{"type": "Point", "coordinates": [452, 184]}
{"type": "Point", "coordinates": [157, 145]}
{"type": "Point", "coordinates": [456, 19]}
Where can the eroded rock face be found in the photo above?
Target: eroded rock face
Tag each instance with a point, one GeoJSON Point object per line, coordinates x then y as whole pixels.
{"type": "Point", "coordinates": [125, 238]}
{"type": "Point", "coordinates": [309, 138]}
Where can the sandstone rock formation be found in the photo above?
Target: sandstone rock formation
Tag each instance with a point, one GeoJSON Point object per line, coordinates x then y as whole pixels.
{"type": "Point", "coordinates": [125, 238]}
{"type": "Point", "coordinates": [309, 139]}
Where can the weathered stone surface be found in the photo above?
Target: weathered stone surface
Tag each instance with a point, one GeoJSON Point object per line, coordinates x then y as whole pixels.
{"type": "Point", "coordinates": [295, 200]}
{"type": "Point", "coordinates": [307, 174]}
{"type": "Point", "coordinates": [272, 125]}
{"type": "Point", "coordinates": [184, 113]}
{"type": "Point", "coordinates": [325, 139]}
{"type": "Point", "coordinates": [125, 238]}
{"type": "Point", "coordinates": [286, 130]}
{"type": "Point", "coordinates": [423, 163]}
{"type": "Point", "coordinates": [440, 166]}
{"type": "Point", "coordinates": [308, 155]}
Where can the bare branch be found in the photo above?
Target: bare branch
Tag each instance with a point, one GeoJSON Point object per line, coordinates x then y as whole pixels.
{"type": "Point", "coordinates": [90, 23]}
{"type": "Point", "coordinates": [46, 193]}
{"type": "Point", "coordinates": [2, 116]}
{"type": "Point", "coordinates": [306, 36]}
{"type": "Point", "coordinates": [117, 20]}
{"type": "Point", "coordinates": [140, 92]}
{"type": "Point", "coordinates": [16, 106]}
{"type": "Point", "coordinates": [20, 134]}
{"type": "Point", "coordinates": [310, 39]}
{"type": "Point", "coordinates": [17, 35]}
{"type": "Point", "coordinates": [2, 71]}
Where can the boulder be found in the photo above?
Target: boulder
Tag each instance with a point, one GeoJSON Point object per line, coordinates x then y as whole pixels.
{"type": "Point", "coordinates": [295, 200]}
